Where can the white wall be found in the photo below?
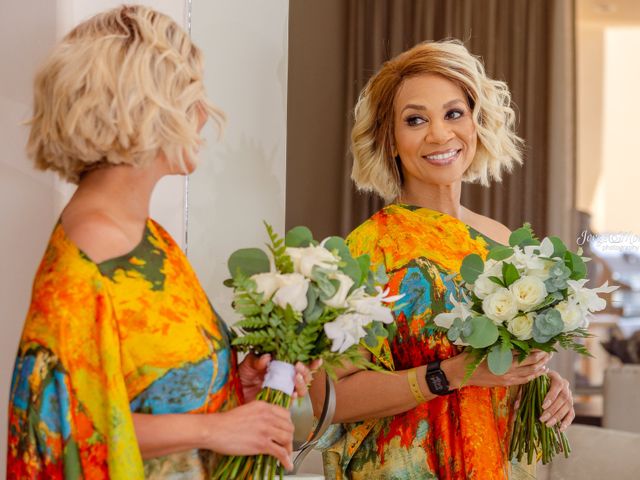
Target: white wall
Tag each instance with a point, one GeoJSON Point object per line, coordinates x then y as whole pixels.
{"type": "Point", "coordinates": [241, 178]}
{"type": "Point", "coordinates": [30, 201]}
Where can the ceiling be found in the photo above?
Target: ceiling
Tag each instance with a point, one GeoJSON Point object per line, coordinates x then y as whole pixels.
{"type": "Point", "coordinates": [609, 12]}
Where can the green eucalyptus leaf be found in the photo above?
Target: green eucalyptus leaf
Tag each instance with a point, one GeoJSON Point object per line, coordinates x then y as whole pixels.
{"type": "Point", "coordinates": [499, 253]}
{"type": "Point", "coordinates": [472, 267]}
{"type": "Point", "coordinates": [338, 244]}
{"type": "Point", "coordinates": [485, 332]}
{"type": "Point", "coordinates": [510, 273]}
{"type": "Point", "coordinates": [499, 359]}
{"type": "Point", "coordinates": [298, 237]}
{"type": "Point", "coordinates": [351, 268]}
{"type": "Point", "coordinates": [247, 262]}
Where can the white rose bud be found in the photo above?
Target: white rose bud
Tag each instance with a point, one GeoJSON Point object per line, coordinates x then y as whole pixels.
{"type": "Point", "coordinates": [305, 258]}
{"type": "Point", "coordinates": [293, 291]}
{"type": "Point", "coordinates": [572, 316]}
{"type": "Point", "coordinates": [339, 300]}
{"type": "Point", "coordinates": [266, 283]}
{"type": "Point", "coordinates": [484, 287]}
{"type": "Point", "coordinates": [528, 292]}
{"type": "Point", "coordinates": [522, 326]}
{"type": "Point", "coordinates": [500, 306]}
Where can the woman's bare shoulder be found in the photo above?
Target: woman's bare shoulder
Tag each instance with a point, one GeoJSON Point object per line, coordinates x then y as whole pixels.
{"type": "Point", "coordinates": [97, 235]}
{"type": "Point", "coordinates": [488, 227]}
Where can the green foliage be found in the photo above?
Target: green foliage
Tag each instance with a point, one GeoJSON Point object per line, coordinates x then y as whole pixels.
{"type": "Point", "coordinates": [500, 358]}
{"type": "Point", "coordinates": [499, 253]}
{"type": "Point", "coordinates": [278, 250]}
{"type": "Point", "coordinates": [509, 273]}
{"type": "Point", "coordinates": [547, 325]}
{"type": "Point", "coordinates": [472, 267]}
{"type": "Point", "coordinates": [477, 356]}
{"type": "Point", "coordinates": [523, 237]}
{"type": "Point", "coordinates": [297, 237]}
{"type": "Point", "coordinates": [484, 333]}
{"type": "Point", "coordinates": [576, 265]}
{"type": "Point", "coordinates": [559, 248]}
{"type": "Point", "coordinates": [247, 262]}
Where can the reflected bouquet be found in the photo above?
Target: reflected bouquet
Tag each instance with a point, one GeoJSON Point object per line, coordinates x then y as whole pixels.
{"type": "Point", "coordinates": [525, 296]}
{"type": "Point", "coordinates": [304, 301]}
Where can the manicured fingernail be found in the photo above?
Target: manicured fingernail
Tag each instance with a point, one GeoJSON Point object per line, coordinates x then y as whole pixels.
{"type": "Point", "coordinates": [544, 417]}
{"type": "Point", "coordinates": [550, 423]}
{"type": "Point", "coordinates": [299, 378]}
{"type": "Point", "coordinates": [546, 404]}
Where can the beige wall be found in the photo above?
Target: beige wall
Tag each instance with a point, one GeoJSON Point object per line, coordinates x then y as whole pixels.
{"type": "Point", "coordinates": [608, 140]}
{"type": "Point", "coordinates": [31, 201]}
{"type": "Point", "coordinates": [241, 177]}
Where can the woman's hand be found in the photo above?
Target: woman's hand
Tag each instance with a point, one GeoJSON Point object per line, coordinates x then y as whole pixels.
{"type": "Point", "coordinates": [253, 369]}
{"type": "Point", "coordinates": [252, 429]}
{"type": "Point", "coordinates": [558, 404]}
{"type": "Point", "coordinates": [531, 367]}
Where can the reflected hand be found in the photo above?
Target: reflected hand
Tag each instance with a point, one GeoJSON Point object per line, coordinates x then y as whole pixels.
{"type": "Point", "coordinates": [558, 404]}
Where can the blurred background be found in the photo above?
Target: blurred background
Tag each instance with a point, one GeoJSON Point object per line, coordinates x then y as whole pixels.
{"type": "Point", "coordinates": [287, 74]}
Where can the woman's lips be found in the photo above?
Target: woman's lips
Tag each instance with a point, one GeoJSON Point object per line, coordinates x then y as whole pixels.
{"type": "Point", "coordinates": [441, 159]}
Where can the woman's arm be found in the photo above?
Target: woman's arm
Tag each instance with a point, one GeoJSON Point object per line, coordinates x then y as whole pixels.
{"type": "Point", "coordinates": [250, 429]}
{"type": "Point", "coordinates": [365, 394]}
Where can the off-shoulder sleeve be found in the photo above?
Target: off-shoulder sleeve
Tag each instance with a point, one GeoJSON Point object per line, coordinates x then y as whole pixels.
{"type": "Point", "coordinates": [69, 414]}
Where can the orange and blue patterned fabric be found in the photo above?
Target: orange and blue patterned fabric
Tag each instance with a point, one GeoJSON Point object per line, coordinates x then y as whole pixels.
{"type": "Point", "coordinates": [464, 435]}
{"type": "Point", "coordinates": [132, 334]}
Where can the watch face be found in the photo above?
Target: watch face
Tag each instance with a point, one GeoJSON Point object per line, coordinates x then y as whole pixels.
{"type": "Point", "coordinates": [437, 382]}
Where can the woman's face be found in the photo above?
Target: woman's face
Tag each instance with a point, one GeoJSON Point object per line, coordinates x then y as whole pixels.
{"type": "Point", "coordinates": [434, 132]}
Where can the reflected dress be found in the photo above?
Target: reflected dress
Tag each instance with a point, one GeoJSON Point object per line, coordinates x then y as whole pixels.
{"type": "Point", "coordinates": [464, 435]}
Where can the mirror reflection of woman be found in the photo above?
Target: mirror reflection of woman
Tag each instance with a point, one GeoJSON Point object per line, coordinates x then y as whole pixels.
{"type": "Point", "coordinates": [429, 120]}
{"type": "Point", "coordinates": [124, 370]}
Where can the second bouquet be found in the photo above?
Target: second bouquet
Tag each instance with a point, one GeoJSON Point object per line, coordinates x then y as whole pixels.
{"type": "Point", "coordinates": [301, 301]}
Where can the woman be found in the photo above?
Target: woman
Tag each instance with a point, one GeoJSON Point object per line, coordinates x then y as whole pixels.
{"type": "Point", "coordinates": [124, 370]}
{"type": "Point", "coordinates": [427, 121]}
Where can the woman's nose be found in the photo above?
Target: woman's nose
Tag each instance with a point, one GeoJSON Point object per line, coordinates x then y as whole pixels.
{"type": "Point", "coordinates": [438, 133]}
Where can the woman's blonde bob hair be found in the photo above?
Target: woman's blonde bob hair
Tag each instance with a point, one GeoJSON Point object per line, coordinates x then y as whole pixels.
{"type": "Point", "coordinates": [120, 88]}
{"type": "Point", "coordinates": [375, 169]}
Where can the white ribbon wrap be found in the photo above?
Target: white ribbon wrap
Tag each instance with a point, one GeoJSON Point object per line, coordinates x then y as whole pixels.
{"type": "Point", "coordinates": [280, 376]}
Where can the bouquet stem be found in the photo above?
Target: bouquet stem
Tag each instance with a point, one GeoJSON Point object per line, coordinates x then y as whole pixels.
{"type": "Point", "coordinates": [530, 436]}
{"type": "Point", "coordinates": [257, 467]}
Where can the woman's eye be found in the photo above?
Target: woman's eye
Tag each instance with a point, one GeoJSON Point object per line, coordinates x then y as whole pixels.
{"type": "Point", "coordinates": [454, 114]}
{"type": "Point", "coordinates": [414, 120]}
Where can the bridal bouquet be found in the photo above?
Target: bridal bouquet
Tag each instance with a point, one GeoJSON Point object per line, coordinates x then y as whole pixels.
{"type": "Point", "coordinates": [304, 301]}
{"type": "Point", "coordinates": [529, 295]}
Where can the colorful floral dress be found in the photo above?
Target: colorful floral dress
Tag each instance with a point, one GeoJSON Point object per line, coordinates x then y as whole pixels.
{"type": "Point", "coordinates": [132, 334]}
{"type": "Point", "coordinates": [464, 435]}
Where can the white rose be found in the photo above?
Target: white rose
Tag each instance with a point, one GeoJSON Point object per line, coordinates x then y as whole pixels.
{"type": "Point", "coordinates": [528, 292]}
{"type": "Point", "coordinates": [500, 306]}
{"type": "Point", "coordinates": [292, 290]}
{"type": "Point", "coordinates": [542, 273]}
{"type": "Point", "coordinates": [572, 315]}
{"type": "Point", "coordinates": [305, 258]}
{"type": "Point", "coordinates": [345, 331]}
{"type": "Point", "coordinates": [266, 283]}
{"type": "Point", "coordinates": [484, 287]}
{"type": "Point", "coordinates": [522, 326]}
{"type": "Point", "coordinates": [339, 300]}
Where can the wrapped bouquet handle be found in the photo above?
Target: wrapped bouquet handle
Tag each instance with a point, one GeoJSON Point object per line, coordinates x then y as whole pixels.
{"type": "Point", "coordinates": [280, 376]}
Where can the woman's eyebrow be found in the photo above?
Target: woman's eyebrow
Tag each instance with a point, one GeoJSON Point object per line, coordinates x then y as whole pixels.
{"type": "Point", "coordinates": [415, 106]}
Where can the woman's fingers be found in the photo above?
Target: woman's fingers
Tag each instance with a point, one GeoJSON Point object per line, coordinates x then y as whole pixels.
{"type": "Point", "coordinates": [278, 451]}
